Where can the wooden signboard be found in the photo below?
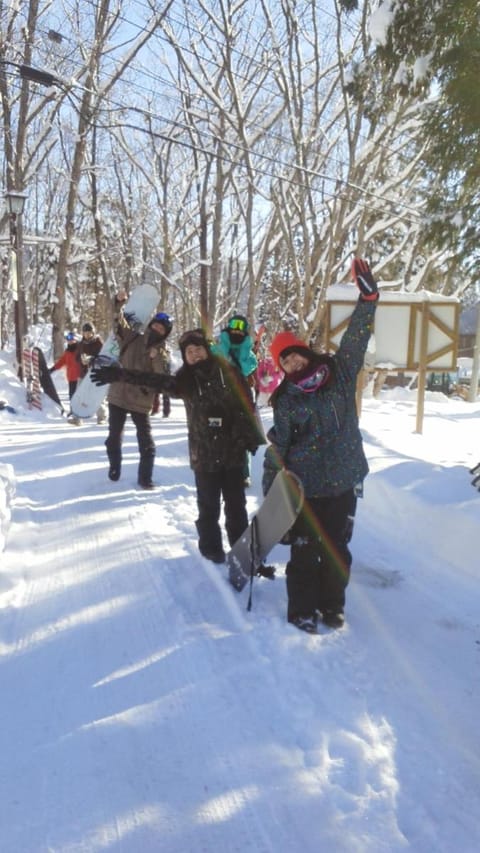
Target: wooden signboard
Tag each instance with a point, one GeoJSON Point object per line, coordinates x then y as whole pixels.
{"type": "Point", "coordinates": [417, 332]}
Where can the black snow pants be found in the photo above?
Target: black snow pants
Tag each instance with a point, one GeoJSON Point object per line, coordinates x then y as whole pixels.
{"type": "Point", "coordinates": [319, 567]}
{"type": "Point", "coordinates": [146, 445]}
{"type": "Point", "coordinates": [211, 487]}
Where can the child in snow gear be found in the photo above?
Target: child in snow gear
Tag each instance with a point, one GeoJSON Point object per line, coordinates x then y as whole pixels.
{"type": "Point", "coordinates": [221, 428]}
{"type": "Point", "coordinates": [69, 361]}
{"type": "Point", "coordinates": [144, 352]}
{"type": "Point", "coordinates": [316, 435]}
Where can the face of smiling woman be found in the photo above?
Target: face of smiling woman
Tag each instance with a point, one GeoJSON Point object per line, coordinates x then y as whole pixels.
{"type": "Point", "coordinates": [194, 353]}
{"type": "Point", "coordinates": [293, 362]}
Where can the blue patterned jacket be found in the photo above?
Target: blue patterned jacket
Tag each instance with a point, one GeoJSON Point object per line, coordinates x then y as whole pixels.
{"type": "Point", "coordinates": [316, 435]}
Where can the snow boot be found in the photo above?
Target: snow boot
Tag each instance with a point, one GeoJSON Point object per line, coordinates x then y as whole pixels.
{"type": "Point", "coordinates": [305, 623]}
{"type": "Point", "coordinates": [217, 556]}
{"type": "Point", "coordinates": [333, 618]}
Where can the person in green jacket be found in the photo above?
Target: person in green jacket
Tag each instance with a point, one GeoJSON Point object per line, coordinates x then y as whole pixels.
{"type": "Point", "coordinates": [236, 346]}
{"type": "Point", "coordinates": [316, 435]}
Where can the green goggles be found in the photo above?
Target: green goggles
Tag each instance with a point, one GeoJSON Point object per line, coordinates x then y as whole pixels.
{"type": "Point", "coordinates": [237, 325]}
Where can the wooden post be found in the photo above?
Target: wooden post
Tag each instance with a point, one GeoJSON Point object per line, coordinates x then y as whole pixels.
{"type": "Point", "coordinates": [473, 390]}
{"type": "Point", "coordinates": [422, 366]}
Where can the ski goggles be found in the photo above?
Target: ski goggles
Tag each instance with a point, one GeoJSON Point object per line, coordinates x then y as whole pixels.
{"type": "Point", "coordinates": [237, 324]}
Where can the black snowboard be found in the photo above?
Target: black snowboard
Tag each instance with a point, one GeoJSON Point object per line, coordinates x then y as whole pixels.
{"type": "Point", "coordinates": [46, 380]}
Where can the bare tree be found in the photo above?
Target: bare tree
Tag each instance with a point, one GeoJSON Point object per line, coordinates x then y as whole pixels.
{"type": "Point", "coordinates": [106, 21]}
{"type": "Point", "coordinates": [27, 140]}
{"type": "Point", "coordinates": [235, 152]}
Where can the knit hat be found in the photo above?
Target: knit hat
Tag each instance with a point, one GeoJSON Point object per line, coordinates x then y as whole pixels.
{"type": "Point", "coordinates": [288, 341]}
{"type": "Point", "coordinates": [87, 327]}
{"type": "Point", "coordinates": [195, 337]}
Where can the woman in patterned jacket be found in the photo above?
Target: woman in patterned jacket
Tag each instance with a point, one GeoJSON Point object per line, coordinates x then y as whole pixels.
{"type": "Point", "coordinates": [316, 435]}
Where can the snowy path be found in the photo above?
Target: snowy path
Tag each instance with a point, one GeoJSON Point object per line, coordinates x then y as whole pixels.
{"type": "Point", "coordinates": [145, 710]}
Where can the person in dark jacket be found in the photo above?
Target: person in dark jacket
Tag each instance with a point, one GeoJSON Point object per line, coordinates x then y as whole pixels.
{"type": "Point", "coordinates": [221, 427]}
{"type": "Point", "coordinates": [316, 435]}
{"type": "Point", "coordinates": [88, 348]}
{"type": "Point", "coordinates": [144, 352]}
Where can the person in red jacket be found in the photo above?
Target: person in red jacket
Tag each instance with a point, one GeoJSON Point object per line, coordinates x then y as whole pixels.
{"type": "Point", "coordinates": [68, 360]}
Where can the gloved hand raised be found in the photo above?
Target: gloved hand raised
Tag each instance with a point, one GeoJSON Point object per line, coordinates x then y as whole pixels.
{"type": "Point", "coordinates": [103, 375]}
{"type": "Point", "coordinates": [363, 278]}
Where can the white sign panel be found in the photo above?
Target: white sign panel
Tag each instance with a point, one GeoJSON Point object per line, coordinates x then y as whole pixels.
{"type": "Point", "coordinates": [410, 329]}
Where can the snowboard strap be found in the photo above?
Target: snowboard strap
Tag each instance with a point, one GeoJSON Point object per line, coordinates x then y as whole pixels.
{"type": "Point", "coordinates": [253, 552]}
{"type": "Point", "coordinates": [126, 346]}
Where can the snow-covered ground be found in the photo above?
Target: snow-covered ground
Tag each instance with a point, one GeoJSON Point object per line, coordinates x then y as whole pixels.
{"type": "Point", "coordinates": [144, 709]}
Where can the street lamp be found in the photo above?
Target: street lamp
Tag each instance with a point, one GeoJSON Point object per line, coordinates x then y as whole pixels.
{"type": "Point", "coordinates": [16, 203]}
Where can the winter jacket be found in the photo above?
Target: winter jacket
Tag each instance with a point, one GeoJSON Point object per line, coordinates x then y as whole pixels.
{"type": "Point", "coordinates": [137, 354]}
{"type": "Point", "coordinates": [90, 349]}
{"type": "Point", "coordinates": [316, 435]}
{"type": "Point", "coordinates": [241, 355]}
{"type": "Point", "coordinates": [220, 412]}
{"type": "Point", "coordinates": [68, 360]}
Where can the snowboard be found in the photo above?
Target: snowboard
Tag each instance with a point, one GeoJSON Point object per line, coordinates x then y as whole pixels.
{"type": "Point", "coordinates": [137, 311]}
{"type": "Point", "coordinates": [32, 378]}
{"type": "Point", "coordinates": [46, 380]}
{"type": "Point", "coordinates": [280, 507]}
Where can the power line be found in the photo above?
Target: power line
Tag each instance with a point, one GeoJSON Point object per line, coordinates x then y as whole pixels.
{"type": "Point", "coordinates": [282, 178]}
{"type": "Point", "coordinates": [51, 80]}
{"type": "Point", "coordinates": [157, 79]}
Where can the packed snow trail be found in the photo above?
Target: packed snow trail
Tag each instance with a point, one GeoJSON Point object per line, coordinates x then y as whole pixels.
{"type": "Point", "coordinates": [145, 710]}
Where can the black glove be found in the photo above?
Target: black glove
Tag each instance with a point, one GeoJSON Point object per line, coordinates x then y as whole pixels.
{"type": "Point", "coordinates": [104, 375]}
{"type": "Point", "coordinates": [363, 278]}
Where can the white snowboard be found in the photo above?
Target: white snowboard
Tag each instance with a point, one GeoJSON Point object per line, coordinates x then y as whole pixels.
{"type": "Point", "coordinates": [137, 311]}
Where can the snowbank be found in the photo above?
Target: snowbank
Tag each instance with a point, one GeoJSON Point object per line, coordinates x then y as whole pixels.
{"type": "Point", "coordinates": [7, 491]}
